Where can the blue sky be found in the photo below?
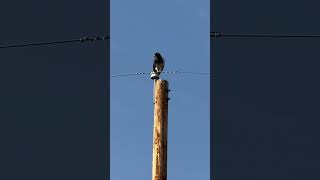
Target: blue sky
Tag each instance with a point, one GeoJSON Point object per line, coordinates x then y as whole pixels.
{"type": "Point", "coordinates": [179, 30]}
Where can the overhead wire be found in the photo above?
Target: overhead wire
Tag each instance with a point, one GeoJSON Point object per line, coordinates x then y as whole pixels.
{"type": "Point", "coordinates": [219, 34]}
{"type": "Point", "coordinates": [198, 73]}
{"type": "Point", "coordinates": [164, 72]}
{"type": "Point", "coordinates": [212, 34]}
{"type": "Point", "coordinates": [130, 74]}
{"type": "Point", "coordinates": [84, 39]}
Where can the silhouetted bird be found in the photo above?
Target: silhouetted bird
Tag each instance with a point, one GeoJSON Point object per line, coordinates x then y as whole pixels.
{"type": "Point", "coordinates": [158, 63]}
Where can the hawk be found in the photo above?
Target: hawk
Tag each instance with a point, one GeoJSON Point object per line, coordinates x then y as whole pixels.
{"type": "Point", "coordinates": [158, 63]}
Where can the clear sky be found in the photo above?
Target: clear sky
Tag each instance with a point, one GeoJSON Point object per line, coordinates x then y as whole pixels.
{"type": "Point", "coordinates": [179, 30]}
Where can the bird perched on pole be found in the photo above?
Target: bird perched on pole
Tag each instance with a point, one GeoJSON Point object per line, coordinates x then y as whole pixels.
{"type": "Point", "coordinates": [158, 63]}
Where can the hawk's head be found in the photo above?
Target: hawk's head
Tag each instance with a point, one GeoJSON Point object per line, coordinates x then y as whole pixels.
{"type": "Point", "coordinates": [158, 55]}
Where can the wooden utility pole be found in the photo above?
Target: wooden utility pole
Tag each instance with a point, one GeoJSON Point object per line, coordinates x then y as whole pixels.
{"type": "Point", "coordinates": [160, 130]}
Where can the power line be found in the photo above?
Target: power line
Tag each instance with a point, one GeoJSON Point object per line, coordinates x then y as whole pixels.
{"type": "Point", "coordinates": [84, 39]}
{"type": "Point", "coordinates": [130, 74]}
{"type": "Point", "coordinates": [218, 34]}
{"type": "Point", "coordinates": [198, 73]}
{"type": "Point", "coordinates": [164, 72]}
